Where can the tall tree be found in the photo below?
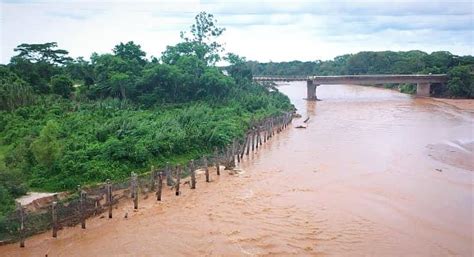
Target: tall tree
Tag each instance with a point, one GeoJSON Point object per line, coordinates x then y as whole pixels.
{"type": "Point", "coordinates": [45, 52]}
{"type": "Point", "coordinates": [200, 41]}
{"type": "Point", "coordinates": [130, 52]}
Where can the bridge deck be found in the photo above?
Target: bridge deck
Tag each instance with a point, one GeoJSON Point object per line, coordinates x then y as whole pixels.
{"type": "Point", "coordinates": [363, 79]}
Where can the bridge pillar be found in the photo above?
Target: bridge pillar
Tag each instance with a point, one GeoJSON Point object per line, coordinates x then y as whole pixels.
{"type": "Point", "coordinates": [423, 89]}
{"type": "Point", "coordinates": [311, 91]}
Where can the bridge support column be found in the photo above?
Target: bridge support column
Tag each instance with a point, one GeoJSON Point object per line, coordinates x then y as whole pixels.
{"type": "Point", "coordinates": [423, 89]}
{"type": "Point", "coordinates": [311, 91]}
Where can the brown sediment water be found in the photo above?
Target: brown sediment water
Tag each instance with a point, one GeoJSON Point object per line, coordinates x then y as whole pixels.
{"type": "Point", "coordinates": [375, 173]}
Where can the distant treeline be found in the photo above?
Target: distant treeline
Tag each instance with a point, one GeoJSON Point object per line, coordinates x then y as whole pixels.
{"type": "Point", "coordinates": [459, 68]}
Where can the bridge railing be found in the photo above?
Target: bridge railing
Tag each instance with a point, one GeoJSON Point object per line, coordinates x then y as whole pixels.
{"type": "Point", "coordinates": [280, 78]}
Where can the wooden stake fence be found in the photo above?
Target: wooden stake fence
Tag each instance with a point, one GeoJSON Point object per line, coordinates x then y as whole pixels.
{"type": "Point", "coordinates": [259, 133]}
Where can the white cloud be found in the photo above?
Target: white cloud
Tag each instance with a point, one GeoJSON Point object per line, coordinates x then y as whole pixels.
{"type": "Point", "coordinates": [260, 30]}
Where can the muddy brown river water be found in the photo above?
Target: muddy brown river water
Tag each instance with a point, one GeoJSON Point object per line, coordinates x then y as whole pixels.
{"type": "Point", "coordinates": [375, 173]}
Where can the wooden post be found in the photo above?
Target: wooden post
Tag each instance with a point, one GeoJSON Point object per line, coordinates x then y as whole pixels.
{"type": "Point", "coordinates": [275, 125]}
{"type": "Point", "coordinates": [160, 186]}
{"type": "Point", "coordinates": [268, 130]}
{"type": "Point", "coordinates": [253, 139]}
{"type": "Point", "coordinates": [109, 197]}
{"type": "Point", "coordinates": [169, 179]}
{"type": "Point", "coordinates": [54, 214]}
{"type": "Point", "coordinates": [135, 190]}
{"type": "Point", "coordinates": [82, 207]}
{"type": "Point", "coordinates": [232, 154]}
{"type": "Point", "coordinates": [272, 131]}
{"type": "Point", "coordinates": [132, 186]}
{"type": "Point", "coordinates": [265, 129]}
{"type": "Point", "coordinates": [22, 224]}
{"type": "Point", "coordinates": [257, 138]}
{"type": "Point", "coordinates": [216, 157]}
{"type": "Point", "coordinates": [278, 125]}
{"type": "Point", "coordinates": [228, 160]}
{"type": "Point", "coordinates": [230, 151]}
{"type": "Point", "coordinates": [249, 141]}
{"type": "Point", "coordinates": [245, 144]}
{"type": "Point", "coordinates": [239, 148]}
{"type": "Point", "coordinates": [178, 178]}
{"type": "Point", "coordinates": [152, 178]}
{"type": "Point", "coordinates": [206, 169]}
{"type": "Point", "coordinates": [193, 174]}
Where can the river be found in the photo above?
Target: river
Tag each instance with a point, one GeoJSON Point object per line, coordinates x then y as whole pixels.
{"type": "Point", "coordinates": [375, 173]}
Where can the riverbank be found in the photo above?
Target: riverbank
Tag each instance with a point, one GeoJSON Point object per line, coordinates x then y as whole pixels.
{"type": "Point", "coordinates": [462, 104]}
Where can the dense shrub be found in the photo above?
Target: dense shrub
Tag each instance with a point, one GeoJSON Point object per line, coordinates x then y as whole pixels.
{"type": "Point", "coordinates": [61, 85]}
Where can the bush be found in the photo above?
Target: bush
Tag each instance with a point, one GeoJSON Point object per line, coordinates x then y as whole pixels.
{"type": "Point", "coordinates": [408, 88]}
{"type": "Point", "coordinates": [62, 85]}
{"type": "Point", "coordinates": [14, 92]}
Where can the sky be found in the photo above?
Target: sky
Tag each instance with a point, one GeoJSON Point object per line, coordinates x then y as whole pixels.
{"type": "Point", "coordinates": [265, 31]}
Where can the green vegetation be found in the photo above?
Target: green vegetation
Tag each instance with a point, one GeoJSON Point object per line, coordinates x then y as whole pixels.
{"type": "Point", "coordinates": [461, 82]}
{"type": "Point", "coordinates": [459, 68]}
{"type": "Point", "coordinates": [65, 122]}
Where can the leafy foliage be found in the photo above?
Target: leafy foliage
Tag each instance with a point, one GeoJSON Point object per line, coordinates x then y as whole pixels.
{"type": "Point", "coordinates": [46, 148]}
{"type": "Point", "coordinates": [461, 81]}
{"type": "Point", "coordinates": [200, 41]}
{"type": "Point", "coordinates": [43, 53]}
{"type": "Point", "coordinates": [61, 85]}
{"type": "Point", "coordinates": [14, 92]}
{"type": "Point", "coordinates": [124, 112]}
{"type": "Point", "coordinates": [130, 52]}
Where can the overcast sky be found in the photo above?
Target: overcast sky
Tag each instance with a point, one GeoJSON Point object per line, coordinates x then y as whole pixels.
{"type": "Point", "coordinates": [259, 30]}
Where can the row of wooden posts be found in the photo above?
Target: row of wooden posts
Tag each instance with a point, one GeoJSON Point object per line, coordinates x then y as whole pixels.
{"type": "Point", "coordinates": [259, 133]}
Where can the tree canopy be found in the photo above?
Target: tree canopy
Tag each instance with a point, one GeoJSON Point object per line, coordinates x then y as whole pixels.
{"type": "Point", "coordinates": [201, 41]}
{"type": "Point", "coordinates": [45, 52]}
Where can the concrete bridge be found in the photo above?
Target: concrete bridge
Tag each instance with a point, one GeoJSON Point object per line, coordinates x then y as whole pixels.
{"type": "Point", "coordinates": [423, 82]}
